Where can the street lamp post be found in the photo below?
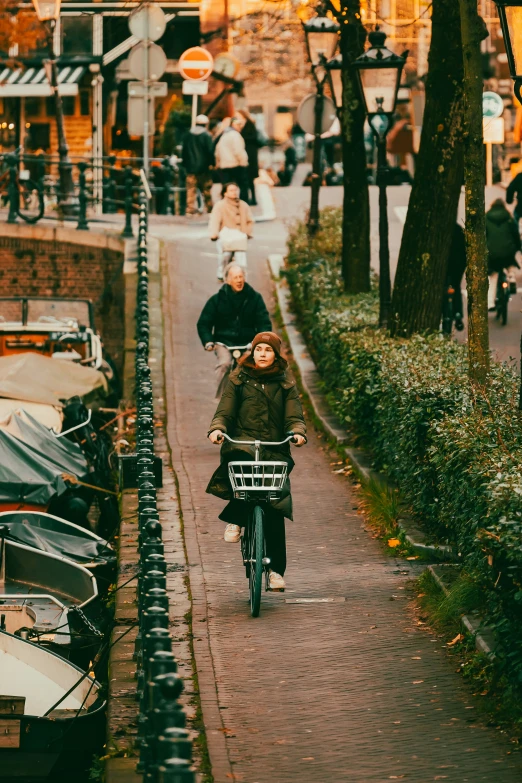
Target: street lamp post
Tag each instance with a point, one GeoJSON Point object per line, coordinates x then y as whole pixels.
{"type": "Point", "coordinates": [379, 72]}
{"type": "Point", "coordinates": [322, 35]}
{"type": "Point", "coordinates": [48, 12]}
{"type": "Point", "coordinates": [510, 13]}
{"type": "Point", "coordinates": [334, 68]}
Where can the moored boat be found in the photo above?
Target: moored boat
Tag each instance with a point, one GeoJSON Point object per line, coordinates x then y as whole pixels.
{"type": "Point", "coordinates": [57, 536]}
{"type": "Point", "coordinates": [51, 713]}
{"type": "Point", "coordinates": [50, 600]}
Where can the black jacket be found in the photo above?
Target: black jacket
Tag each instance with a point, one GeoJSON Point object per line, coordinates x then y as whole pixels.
{"type": "Point", "coordinates": [198, 151]}
{"type": "Point", "coordinates": [515, 189]}
{"type": "Point", "coordinates": [503, 239]}
{"type": "Point", "coordinates": [233, 319]}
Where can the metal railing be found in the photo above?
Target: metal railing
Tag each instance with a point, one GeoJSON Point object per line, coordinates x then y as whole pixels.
{"type": "Point", "coordinates": [30, 188]}
{"type": "Point", "coordinates": [164, 742]}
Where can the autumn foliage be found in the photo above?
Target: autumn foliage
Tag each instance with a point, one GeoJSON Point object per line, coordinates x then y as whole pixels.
{"type": "Point", "coordinates": [21, 33]}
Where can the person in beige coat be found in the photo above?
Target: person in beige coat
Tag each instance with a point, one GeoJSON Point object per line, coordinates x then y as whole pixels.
{"type": "Point", "coordinates": [234, 214]}
{"type": "Point", "coordinates": [231, 156]}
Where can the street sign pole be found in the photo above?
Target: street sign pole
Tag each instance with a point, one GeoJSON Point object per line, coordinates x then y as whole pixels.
{"type": "Point", "coordinates": [194, 109]}
{"type": "Point", "coordinates": [146, 98]}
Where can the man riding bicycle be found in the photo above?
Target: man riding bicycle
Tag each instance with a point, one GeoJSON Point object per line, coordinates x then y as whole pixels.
{"type": "Point", "coordinates": [260, 402]}
{"type": "Point", "coordinates": [233, 317]}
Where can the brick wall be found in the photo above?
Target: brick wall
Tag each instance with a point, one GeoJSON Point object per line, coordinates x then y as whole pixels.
{"type": "Point", "coordinates": [36, 267]}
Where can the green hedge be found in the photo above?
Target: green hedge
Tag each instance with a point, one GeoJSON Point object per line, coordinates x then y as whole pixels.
{"type": "Point", "coordinates": [457, 460]}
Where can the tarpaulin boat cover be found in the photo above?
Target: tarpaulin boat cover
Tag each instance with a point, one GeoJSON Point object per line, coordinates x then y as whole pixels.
{"type": "Point", "coordinates": [52, 534]}
{"type": "Point", "coordinates": [48, 415]}
{"type": "Point", "coordinates": [63, 453]}
{"type": "Point", "coordinates": [36, 378]}
{"type": "Point", "coordinates": [26, 476]}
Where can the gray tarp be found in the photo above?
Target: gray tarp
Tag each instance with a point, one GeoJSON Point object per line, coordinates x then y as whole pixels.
{"type": "Point", "coordinates": [36, 378]}
{"type": "Point", "coordinates": [51, 534]}
{"type": "Point", "coordinates": [66, 455]}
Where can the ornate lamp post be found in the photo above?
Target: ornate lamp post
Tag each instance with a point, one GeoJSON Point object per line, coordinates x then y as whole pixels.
{"type": "Point", "coordinates": [322, 35]}
{"type": "Point", "coordinates": [510, 13]}
{"type": "Point", "coordinates": [334, 68]}
{"type": "Point", "coordinates": [48, 12]}
{"type": "Point", "coordinates": [379, 72]}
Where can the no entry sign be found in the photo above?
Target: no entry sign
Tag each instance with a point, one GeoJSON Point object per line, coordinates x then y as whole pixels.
{"type": "Point", "coordinates": [196, 64]}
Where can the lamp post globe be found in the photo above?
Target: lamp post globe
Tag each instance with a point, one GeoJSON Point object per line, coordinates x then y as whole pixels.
{"type": "Point", "coordinates": [510, 14]}
{"type": "Point", "coordinates": [322, 37]}
{"type": "Point", "coordinates": [334, 69]}
{"type": "Point", "coordinates": [47, 10]}
{"type": "Point", "coordinates": [379, 71]}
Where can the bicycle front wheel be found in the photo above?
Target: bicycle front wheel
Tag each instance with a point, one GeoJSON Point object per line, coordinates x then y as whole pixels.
{"type": "Point", "coordinates": [257, 546]}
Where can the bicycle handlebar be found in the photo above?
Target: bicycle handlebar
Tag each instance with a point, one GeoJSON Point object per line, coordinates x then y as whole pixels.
{"type": "Point", "coordinates": [291, 435]}
{"type": "Point", "coordinates": [235, 347]}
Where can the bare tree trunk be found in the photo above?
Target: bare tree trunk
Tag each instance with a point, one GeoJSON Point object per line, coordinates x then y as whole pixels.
{"type": "Point", "coordinates": [356, 204]}
{"type": "Point", "coordinates": [432, 211]}
{"type": "Point", "coordinates": [473, 32]}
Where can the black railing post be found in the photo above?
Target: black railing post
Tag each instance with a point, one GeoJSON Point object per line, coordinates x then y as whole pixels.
{"type": "Point", "coordinates": [164, 743]}
{"type": "Point", "coordinates": [110, 188]}
{"type": "Point", "coordinates": [14, 196]}
{"type": "Point", "coordinates": [127, 231]}
{"type": "Point", "coordinates": [83, 198]}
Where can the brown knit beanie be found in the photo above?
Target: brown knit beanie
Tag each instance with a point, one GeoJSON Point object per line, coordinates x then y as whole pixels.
{"type": "Point", "coordinates": [269, 338]}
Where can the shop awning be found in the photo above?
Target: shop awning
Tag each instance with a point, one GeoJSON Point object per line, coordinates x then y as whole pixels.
{"type": "Point", "coordinates": [32, 82]}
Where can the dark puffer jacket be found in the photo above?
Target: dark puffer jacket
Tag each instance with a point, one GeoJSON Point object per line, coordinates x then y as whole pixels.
{"type": "Point", "coordinates": [233, 318]}
{"type": "Point", "coordinates": [251, 408]}
{"type": "Point", "coordinates": [502, 237]}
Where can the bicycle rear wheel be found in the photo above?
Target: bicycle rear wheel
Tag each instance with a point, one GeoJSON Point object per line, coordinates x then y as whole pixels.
{"type": "Point", "coordinates": [257, 546]}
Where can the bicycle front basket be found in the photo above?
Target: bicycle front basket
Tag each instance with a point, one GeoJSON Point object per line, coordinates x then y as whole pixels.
{"type": "Point", "coordinates": [257, 476]}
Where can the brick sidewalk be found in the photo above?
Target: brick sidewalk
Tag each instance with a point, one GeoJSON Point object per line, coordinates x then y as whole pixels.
{"type": "Point", "coordinates": [347, 690]}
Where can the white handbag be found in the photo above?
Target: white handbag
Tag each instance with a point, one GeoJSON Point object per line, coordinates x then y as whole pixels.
{"type": "Point", "coordinates": [233, 239]}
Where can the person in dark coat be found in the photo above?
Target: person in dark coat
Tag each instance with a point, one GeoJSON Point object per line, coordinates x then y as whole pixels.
{"type": "Point", "coordinates": [455, 273]}
{"type": "Point", "coordinates": [198, 159]}
{"type": "Point", "coordinates": [515, 189]}
{"type": "Point", "coordinates": [250, 135]}
{"type": "Point", "coordinates": [233, 316]}
{"type": "Point", "coordinates": [260, 402]}
{"type": "Point", "coordinates": [503, 240]}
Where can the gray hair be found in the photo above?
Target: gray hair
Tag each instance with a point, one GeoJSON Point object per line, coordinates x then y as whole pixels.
{"type": "Point", "coordinates": [234, 267]}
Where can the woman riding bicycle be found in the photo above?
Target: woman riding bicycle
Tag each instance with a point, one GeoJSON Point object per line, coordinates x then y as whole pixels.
{"type": "Point", "coordinates": [260, 402]}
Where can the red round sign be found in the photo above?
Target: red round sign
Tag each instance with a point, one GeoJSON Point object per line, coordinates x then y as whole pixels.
{"type": "Point", "coordinates": [196, 64]}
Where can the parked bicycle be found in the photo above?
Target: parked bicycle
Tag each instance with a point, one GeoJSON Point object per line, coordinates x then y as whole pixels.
{"type": "Point", "coordinates": [502, 298]}
{"type": "Point", "coordinates": [257, 483]}
{"type": "Point", "coordinates": [450, 312]}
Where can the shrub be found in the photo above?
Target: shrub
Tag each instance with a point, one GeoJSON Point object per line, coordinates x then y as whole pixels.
{"type": "Point", "coordinates": [456, 457]}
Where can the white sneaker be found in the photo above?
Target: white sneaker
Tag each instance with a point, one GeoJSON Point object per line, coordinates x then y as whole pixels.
{"type": "Point", "coordinates": [276, 582]}
{"type": "Point", "coordinates": [232, 534]}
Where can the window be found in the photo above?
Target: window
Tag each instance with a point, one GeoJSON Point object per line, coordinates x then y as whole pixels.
{"type": "Point", "coordinates": [76, 34]}
{"type": "Point", "coordinates": [85, 103]}
{"type": "Point", "coordinates": [69, 105]}
{"type": "Point", "coordinates": [32, 107]}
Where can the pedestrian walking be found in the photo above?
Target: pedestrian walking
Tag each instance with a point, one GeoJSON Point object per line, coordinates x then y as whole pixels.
{"type": "Point", "coordinates": [455, 272]}
{"type": "Point", "coordinates": [231, 156]}
{"type": "Point", "coordinates": [231, 225]}
{"type": "Point", "coordinates": [515, 189]}
{"type": "Point", "coordinates": [503, 240]}
{"type": "Point", "coordinates": [260, 402]}
{"type": "Point", "coordinates": [253, 142]}
{"type": "Point", "coordinates": [198, 159]}
{"type": "Point", "coordinates": [233, 316]}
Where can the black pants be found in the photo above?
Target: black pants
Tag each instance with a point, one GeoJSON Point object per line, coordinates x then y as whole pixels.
{"type": "Point", "coordinates": [274, 524]}
{"type": "Point", "coordinates": [238, 174]}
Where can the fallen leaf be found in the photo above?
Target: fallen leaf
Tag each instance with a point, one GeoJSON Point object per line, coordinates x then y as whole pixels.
{"type": "Point", "coordinates": [413, 558]}
{"type": "Point", "coordinates": [393, 542]}
{"type": "Point", "coordinates": [417, 682]}
{"type": "Point", "coordinates": [308, 758]}
{"type": "Point", "coordinates": [458, 638]}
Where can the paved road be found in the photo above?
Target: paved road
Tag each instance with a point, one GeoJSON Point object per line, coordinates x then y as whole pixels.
{"type": "Point", "coordinates": [344, 688]}
{"type": "Point", "coordinates": [504, 340]}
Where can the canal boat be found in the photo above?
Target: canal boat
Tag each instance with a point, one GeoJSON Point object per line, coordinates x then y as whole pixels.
{"type": "Point", "coordinates": [49, 533]}
{"type": "Point", "coordinates": [51, 714]}
{"type": "Point", "coordinates": [49, 600]}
